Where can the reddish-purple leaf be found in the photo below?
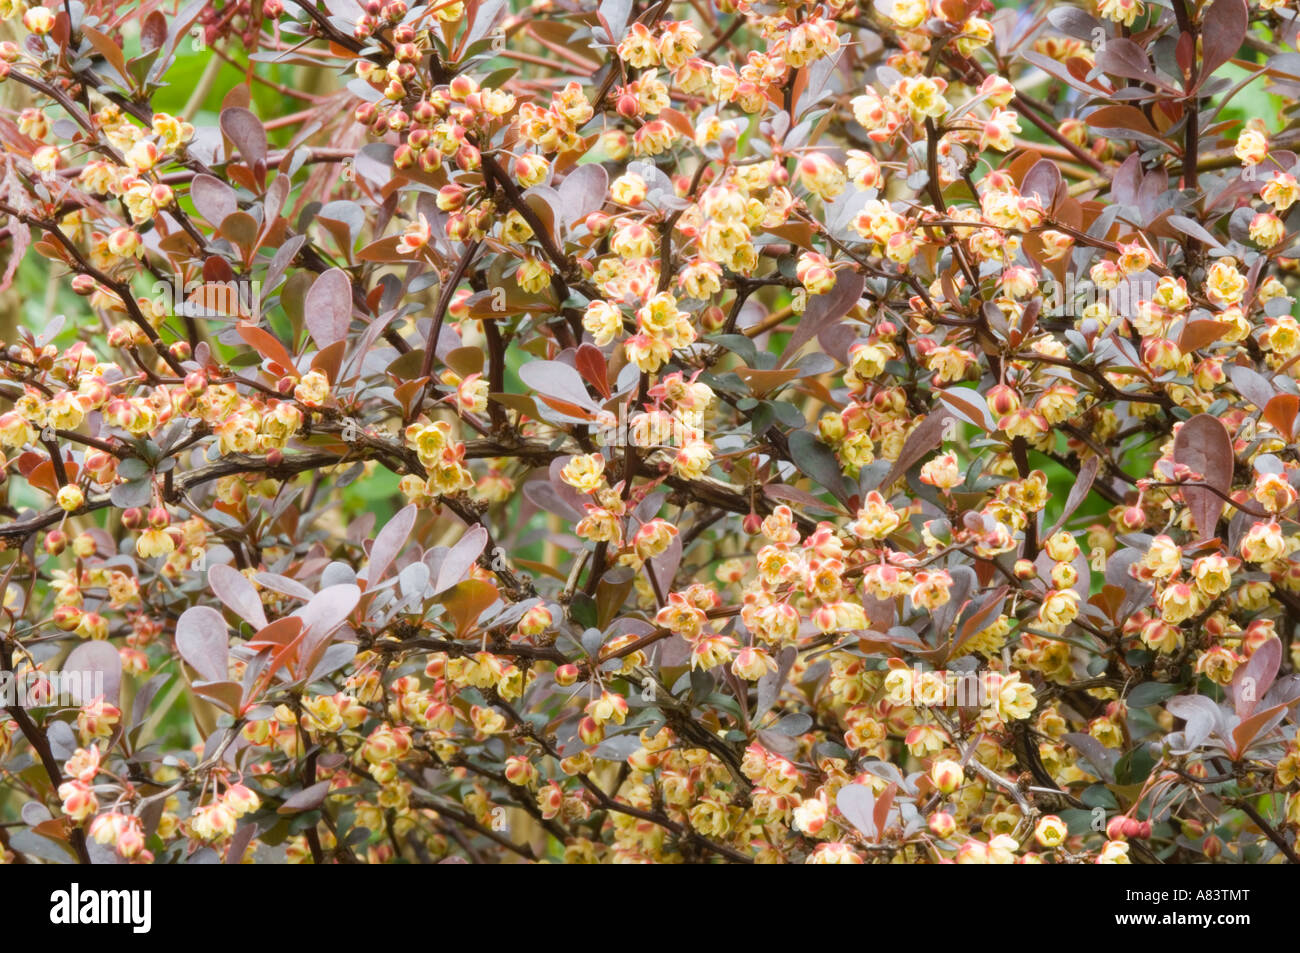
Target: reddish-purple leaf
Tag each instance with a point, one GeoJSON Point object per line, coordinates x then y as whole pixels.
{"type": "Point", "coordinates": [977, 618]}
{"type": "Point", "coordinates": [99, 667]}
{"type": "Point", "coordinates": [927, 436]}
{"type": "Point", "coordinates": [247, 133]}
{"type": "Point", "coordinates": [825, 310]}
{"type": "Point", "coordinates": [154, 31]}
{"type": "Point", "coordinates": [226, 695]}
{"type": "Point", "coordinates": [327, 309]}
{"type": "Point", "coordinates": [306, 800]}
{"type": "Point", "coordinates": [214, 200]}
{"type": "Point", "coordinates": [1251, 681]}
{"type": "Point", "coordinates": [461, 558]}
{"type": "Point", "coordinates": [203, 639]}
{"type": "Point", "coordinates": [559, 380]}
{"type": "Point", "coordinates": [1203, 445]}
{"type": "Point", "coordinates": [1199, 334]}
{"type": "Point", "coordinates": [389, 543]}
{"type": "Point", "coordinates": [881, 813]}
{"type": "Point", "coordinates": [1223, 29]}
{"type": "Point", "coordinates": [237, 594]}
{"type": "Point", "coordinates": [1123, 57]}
{"type": "Point", "coordinates": [1122, 117]}
{"type": "Point", "coordinates": [1127, 180]}
{"type": "Point", "coordinates": [1260, 723]}
{"type": "Point", "coordinates": [1078, 491]}
{"type": "Point", "coordinates": [321, 618]}
{"type": "Point", "coordinates": [1281, 412]}
{"type": "Point", "coordinates": [582, 192]}
{"type": "Point", "coordinates": [969, 405]}
{"type": "Point", "coordinates": [592, 366]}
{"type": "Point", "coordinates": [858, 804]}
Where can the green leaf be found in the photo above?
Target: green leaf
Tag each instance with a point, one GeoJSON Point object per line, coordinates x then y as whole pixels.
{"type": "Point", "coordinates": [1151, 693]}
{"type": "Point", "coordinates": [1135, 766]}
{"type": "Point", "coordinates": [818, 461]}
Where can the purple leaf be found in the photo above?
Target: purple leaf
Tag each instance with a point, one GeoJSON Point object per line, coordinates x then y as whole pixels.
{"type": "Point", "coordinates": [582, 192]}
{"type": "Point", "coordinates": [203, 639]}
{"type": "Point", "coordinates": [1202, 716]}
{"type": "Point", "coordinates": [555, 497]}
{"type": "Point", "coordinates": [389, 543]}
{"type": "Point", "coordinates": [213, 198]}
{"type": "Point", "coordinates": [927, 436]}
{"type": "Point", "coordinates": [328, 609]}
{"type": "Point", "coordinates": [615, 14]}
{"type": "Point", "coordinates": [1203, 445]}
{"type": "Point", "coordinates": [1098, 755]}
{"type": "Point", "coordinates": [305, 800]}
{"type": "Point", "coordinates": [1123, 57]}
{"type": "Point", "coordinates": [482, 18]}
{"type": "Point", "coordinates": [284, 585]}
{"type": "Point", "coordinates": [824, 311]}
{"type": "Point", "coordinates": [237, 594]}
{"type": "Point", "coordinates": [247, 133]}
{"type": "Point", "coordinates": [1252, 385]}
{"type": "Point", "coordinates": [1223, 30]}
{"type": "Point", "coordinates": [461, 557]}
{"type": "Point", "coordinates": [327, 309]}
{"type": "Point", "coordinates": [857, 803]}
{"type": "Point", "coordinates": [93, 660]}
{"type": "Point", "coordinates": [663, 568]}
{"type": "Point", "coordinates": [1044, 178]}
{"type": "Point", "coordinates": [555, 379]}
{"type": "Point", "coordinates": [1251, 681]}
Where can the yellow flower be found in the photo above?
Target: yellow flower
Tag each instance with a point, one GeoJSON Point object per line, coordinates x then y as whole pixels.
{"type": "Point", "coordinates": [585, 472]}
{"type": "Point", "coordinates": [603, 321]}
{"type": "Point", "coordinates": [1252, 149]}
{"type": "Point", "coordinates": [70, 497]}
{"type": "Point", "coordinates": [1120, 11]}
{"type": "Point", "coordinates": [1115, 852]}
{"type": "Point", "coordinates": [154, 542]}
{"type": "Point", "coordinates": [313, 389]}
{"type": "Point", "coordinates": [1058, 609]}
{"type": "Point", "coordinates": [1281, 191]}
{"type": "Point", "coordinates": [821, 175]}
{"type": "Point", "coordinates": [1050, 831]}
{"type": "Point", "coordinates": [1223, 283]}
{"type": "Point", "coordinates": [876, 519]}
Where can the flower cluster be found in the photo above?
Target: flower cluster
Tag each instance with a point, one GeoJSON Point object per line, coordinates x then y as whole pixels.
{"type": "Point", "coordinates": [669, 433]}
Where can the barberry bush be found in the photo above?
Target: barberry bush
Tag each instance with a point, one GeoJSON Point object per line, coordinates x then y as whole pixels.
{"type": "Point", "coordinates": [676, 431]}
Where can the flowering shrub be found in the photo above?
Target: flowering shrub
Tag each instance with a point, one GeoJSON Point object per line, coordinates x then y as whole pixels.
{"type": "Point", "coordinates": [816, 432]}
